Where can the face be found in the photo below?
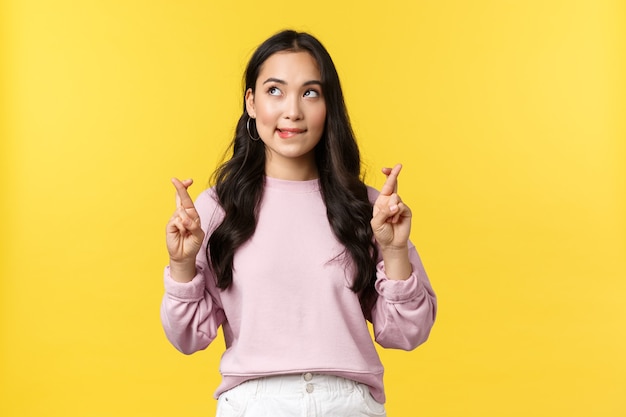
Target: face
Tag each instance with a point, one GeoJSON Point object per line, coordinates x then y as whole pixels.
{"type": "Point", "coordinates": [290, 112]}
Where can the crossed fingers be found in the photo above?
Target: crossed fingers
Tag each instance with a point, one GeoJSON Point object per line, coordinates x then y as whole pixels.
{"type": "Point", "coordinates": [186, 210]}
{"type": "Point", "coordinates": [391, 184]}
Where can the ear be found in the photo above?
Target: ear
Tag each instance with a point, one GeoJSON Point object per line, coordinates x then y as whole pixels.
{"type": "Point", "coordinates": [250, 108]}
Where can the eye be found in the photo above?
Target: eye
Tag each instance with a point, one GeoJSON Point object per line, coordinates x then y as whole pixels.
{"type": "Point", "coordinates": [273, 91]}
{"type": "Point", "coordinates": [311, 93]}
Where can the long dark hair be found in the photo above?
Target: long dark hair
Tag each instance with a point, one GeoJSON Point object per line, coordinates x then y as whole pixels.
{"type": "Point", "coordinates": [239, 182]}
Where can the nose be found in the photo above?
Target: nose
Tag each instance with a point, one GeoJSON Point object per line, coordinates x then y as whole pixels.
{"type": "Point", "coordinates": [293, 109]}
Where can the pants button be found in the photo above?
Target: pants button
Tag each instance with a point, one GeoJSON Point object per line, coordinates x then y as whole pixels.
{"type": "Point", "coordinates": [309, 388]}
{"type": "Point", "coordinates": [308, 376]}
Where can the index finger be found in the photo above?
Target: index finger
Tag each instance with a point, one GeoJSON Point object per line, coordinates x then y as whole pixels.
{"type": "Point", "coordinates": [183, 199]}
{"type": "Point", "coordinates": [391, 184]}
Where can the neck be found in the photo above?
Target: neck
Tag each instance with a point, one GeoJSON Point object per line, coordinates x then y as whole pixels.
{"type": "Point", "coordinates": [292, 169]}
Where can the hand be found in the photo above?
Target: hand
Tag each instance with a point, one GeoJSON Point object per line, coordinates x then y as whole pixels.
{"type": "Point", "coordinates": [391, 221]}
{"type": "Point", "coordinates": [184, 235]}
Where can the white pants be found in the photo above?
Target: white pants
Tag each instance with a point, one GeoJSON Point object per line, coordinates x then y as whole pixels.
{"type": "Point", "coordinates": [304, 395]}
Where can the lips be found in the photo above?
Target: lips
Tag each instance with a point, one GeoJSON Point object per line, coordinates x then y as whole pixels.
{"type": "Point", "coordinates": [289, 132]}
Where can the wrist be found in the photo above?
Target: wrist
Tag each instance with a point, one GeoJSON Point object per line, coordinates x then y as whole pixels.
{"type": "Point", "coordinates": [397, 264]}
{"type": "Point", "coordinates": [182, 271]}
{"type": "Point", "coordinates": [393, 252]}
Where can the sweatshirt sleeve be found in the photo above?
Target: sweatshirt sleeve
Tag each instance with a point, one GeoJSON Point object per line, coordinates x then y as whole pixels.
{"type": "Point", "coordinates": [191, 312]}
{"type": "Point", "coordinates": [405, 311]}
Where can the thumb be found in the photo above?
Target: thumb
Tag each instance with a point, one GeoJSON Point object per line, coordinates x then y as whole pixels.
{"type": "Point", "coordinates": [379, 219]}
{"type": "Point", "coordinates": [197, 232]}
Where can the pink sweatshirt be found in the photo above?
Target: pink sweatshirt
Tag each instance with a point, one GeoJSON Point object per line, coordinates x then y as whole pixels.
{"type": "Point", "coordinates": [290, 308]}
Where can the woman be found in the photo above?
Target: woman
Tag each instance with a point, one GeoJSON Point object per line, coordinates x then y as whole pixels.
{"type": "Point", "coordinates": [291, 253]}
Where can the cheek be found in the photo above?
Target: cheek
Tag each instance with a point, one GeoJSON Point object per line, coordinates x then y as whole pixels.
{"type": "Point", "coordinates": [319, 119]}
{"type": "Point", "coordinates": [266, 113]}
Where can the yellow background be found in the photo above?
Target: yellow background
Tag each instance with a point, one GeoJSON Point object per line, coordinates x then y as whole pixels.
{"type": "Point", "coordinates": [509, 119]}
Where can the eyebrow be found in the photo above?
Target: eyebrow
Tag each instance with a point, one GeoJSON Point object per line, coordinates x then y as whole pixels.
{"type": "Point", "coordinates": [283, 82]}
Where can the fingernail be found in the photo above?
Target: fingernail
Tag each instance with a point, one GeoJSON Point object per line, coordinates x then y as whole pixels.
{"type": "Point", "coordinates": [393, 208]}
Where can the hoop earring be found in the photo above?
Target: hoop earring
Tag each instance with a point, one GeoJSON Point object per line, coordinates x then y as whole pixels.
{"type": "Point", "coordinates": [248, 129]}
